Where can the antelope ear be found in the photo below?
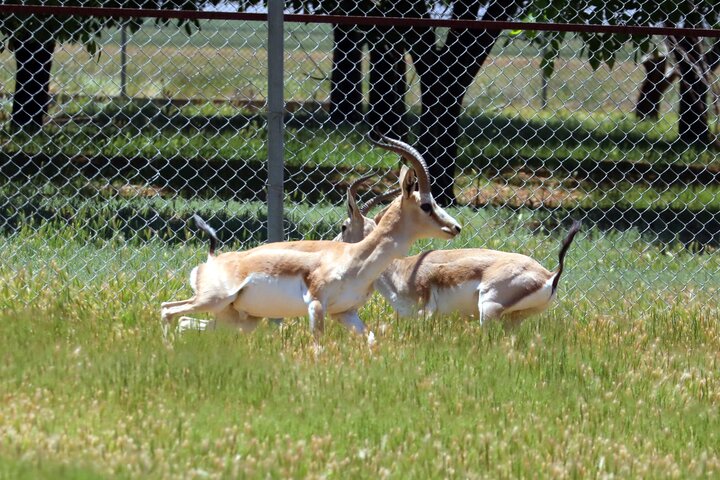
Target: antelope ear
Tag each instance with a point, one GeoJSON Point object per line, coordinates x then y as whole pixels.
{"type": "Point", "coordinates": [353, 210]}
{"type": "Point", "coordinates": [407, 181]}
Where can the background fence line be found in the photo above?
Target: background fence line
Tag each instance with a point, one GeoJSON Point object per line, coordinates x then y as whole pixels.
{"type": "Point", "coordinates": [202, 115]}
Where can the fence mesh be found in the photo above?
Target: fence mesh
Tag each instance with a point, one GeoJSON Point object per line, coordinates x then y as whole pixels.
{"type": "Point", "coordinates": [143, 132]}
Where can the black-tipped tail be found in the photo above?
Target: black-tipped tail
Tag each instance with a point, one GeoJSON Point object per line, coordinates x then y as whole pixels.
{"type": "Point", "coordinates": [214, 241]}
{"type": "Point", "coordinates": [563, 250]}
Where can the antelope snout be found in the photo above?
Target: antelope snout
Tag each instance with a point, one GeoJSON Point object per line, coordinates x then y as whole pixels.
{"type": "Point", "coordinates": [451, 230]}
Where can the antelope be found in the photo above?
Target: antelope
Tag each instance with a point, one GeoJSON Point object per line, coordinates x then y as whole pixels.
{"type": "Point", "coordinates": [315, 277]}
{"type": "Point", "coordinates": [357, 225]}
{"type": "Point", "coordinates": [489, 284]}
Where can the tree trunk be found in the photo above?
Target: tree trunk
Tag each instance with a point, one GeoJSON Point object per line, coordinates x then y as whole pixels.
{"type": "Point", "coordinates": [653, 87]}
{"type": "Point", "coordinates": [693, 129]}
{"type": "Point", "coordinates": [388, 87]}
{"type": "Point", "coordinates": [31, 99]}
{"type": "Point", "coordinates": [445, 74]}
{"type": "Point", "coordinates": [346, 96]}
{"type": "Point", "coordinates": [437, 141]}
{"type": "Point", "coordinates": [712, 57]}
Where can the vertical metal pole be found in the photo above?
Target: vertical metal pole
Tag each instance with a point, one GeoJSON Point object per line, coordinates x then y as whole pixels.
{"type": "Point", "coordinates": [275, 112]}
{"type": "Point", "coordinates": [544, 89]}
{"type": "Point", "coordinates": [123, 59]}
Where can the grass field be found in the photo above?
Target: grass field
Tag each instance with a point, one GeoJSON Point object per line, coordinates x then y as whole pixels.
{"type": "Point", "coordinates": [540, 166]}
{"type": "Point", "coordinates": [618, 379]}
{"type": "Point", "coordinates": [227, 60]}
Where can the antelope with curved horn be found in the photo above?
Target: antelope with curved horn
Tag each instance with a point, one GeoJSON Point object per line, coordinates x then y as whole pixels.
{"type": "Point", "coordinates": [315, 278]}
{"type": "Point", "coordinates": [478, 282]}
{"type": "Point", "coordinates": [357, 225]}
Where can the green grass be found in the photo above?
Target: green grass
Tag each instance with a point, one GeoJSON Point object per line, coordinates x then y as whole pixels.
{"type": "Point", "coordinates": [625, 195]}
{"type": "Point", "coordinates": [22, 470]}
{"type": "Point", "coordinates": [489, 138]}
{"type": "Point", "coordinates": [520, 137]}
{"type": "Point", "coordinates": [227, 60]}
{"type": "Point", "coordinates": [304, 148]}
{"type": "Point", "coordinates": [537, 143]}
{"type": "Point", "coordinates": [619, 378]}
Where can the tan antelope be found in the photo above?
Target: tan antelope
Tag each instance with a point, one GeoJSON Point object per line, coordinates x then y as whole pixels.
{"type": "Point", "coordinates": [482, 283]}
{"type": "Point", "coordinates": [357, 226]}
{"type": "Point", "coordinates": [315, 278]}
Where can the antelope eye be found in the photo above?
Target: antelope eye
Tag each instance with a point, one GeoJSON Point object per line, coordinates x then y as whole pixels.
{"type": "Point", "coordinates": [426, 207]}
{"type": "Point", "coordinates": [344, 227]}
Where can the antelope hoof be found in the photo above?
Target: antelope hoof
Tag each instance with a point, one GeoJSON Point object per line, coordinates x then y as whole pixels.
{"type": "Point", "coordinates": [189, 323]}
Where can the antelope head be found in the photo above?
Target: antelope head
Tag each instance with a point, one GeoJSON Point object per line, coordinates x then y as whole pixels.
{"type": "Point", "coordinates": [357, 226]}
{"type": "Point", "coordinates": [419, 208]}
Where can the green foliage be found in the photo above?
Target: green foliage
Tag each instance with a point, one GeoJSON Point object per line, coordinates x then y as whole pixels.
{"type": "Point", "coordinates": [83, 29]}
{"type": "Point", "coordinates": [603, 48]}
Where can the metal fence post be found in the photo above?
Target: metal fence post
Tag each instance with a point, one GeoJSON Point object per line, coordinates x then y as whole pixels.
{"type": "Point", "coordinates": [123, 59]}
{"type": "Point", "coordinates": [276, 106]}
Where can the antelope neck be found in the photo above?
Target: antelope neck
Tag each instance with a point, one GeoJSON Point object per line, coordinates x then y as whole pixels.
{"type": "Point", "coordinates": [390, 240]}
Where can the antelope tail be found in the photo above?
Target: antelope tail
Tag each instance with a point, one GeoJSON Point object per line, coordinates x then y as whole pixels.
{"type": "Point", "coordinates": [563, 250]}
{"type": "Point", "coordinates": [209, 231]}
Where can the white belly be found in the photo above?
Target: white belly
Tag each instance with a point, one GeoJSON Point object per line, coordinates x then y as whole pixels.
{"type": "Point", "coordinates": [283, 297]}
{"type": "Point", "coordinates": [347, 298]}
{"type": "Point", "coordinates": [273, 297]}
{"type": "Point", "coordinates": [539, 299]}
{"type": "Point", "coordinates": [461, 299]}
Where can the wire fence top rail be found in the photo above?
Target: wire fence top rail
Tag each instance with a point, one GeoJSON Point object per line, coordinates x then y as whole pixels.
{"type": "Point", "coordinates": [360, 20]}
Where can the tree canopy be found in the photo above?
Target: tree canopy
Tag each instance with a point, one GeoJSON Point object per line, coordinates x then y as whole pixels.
{"type": "Point", "coordinates": [33, 38]}
{"type": "Point", "coordinates": [80, 29]}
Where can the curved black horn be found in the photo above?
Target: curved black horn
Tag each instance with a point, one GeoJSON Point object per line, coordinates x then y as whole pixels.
{"type": "Point", "coordinates": [352, 193]}
{"type": "Point", "coordinates": [409, 154]}
{"type": "Point", "coordinates": [378, 200]}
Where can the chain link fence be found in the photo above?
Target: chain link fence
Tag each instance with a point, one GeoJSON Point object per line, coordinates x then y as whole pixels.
{"type": "Point", "coordinates": [536, 129]}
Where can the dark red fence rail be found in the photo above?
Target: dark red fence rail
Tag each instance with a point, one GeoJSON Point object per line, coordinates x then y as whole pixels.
{"type": "Point", "coordinates": [358, 20]}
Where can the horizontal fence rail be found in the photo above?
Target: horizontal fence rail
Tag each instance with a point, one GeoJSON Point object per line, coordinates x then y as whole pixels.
{"type": "Point", "coordinates": [494, 25]}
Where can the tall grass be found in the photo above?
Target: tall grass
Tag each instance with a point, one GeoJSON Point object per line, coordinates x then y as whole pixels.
{"type": "Point", "coordinates": [619, 378]}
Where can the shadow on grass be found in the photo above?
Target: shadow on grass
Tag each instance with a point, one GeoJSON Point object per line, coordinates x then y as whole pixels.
{"type": "Point", "coordinates": [140, 225]}
{"type": "Point", "coordinates": [695, 231]}
{"type": "Point", "coordinates": [191, 178]}
{"type": "Point", "coordinates": [599, 173]}
{"type": "Point", "coordinates": [566, 132]}
{"type": "Point", "coordinates": [139, 122]}
{"type": "Point", "coordinates": [508, 136]}
{"type": "Point", "coordinates": [235, 180]}
{"type": "Point", "coordinates": [497, 143]}
{"type": "Point", "coordinates": [537, 131]}
{"type": "Point", "coordinates": [95, 219]}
